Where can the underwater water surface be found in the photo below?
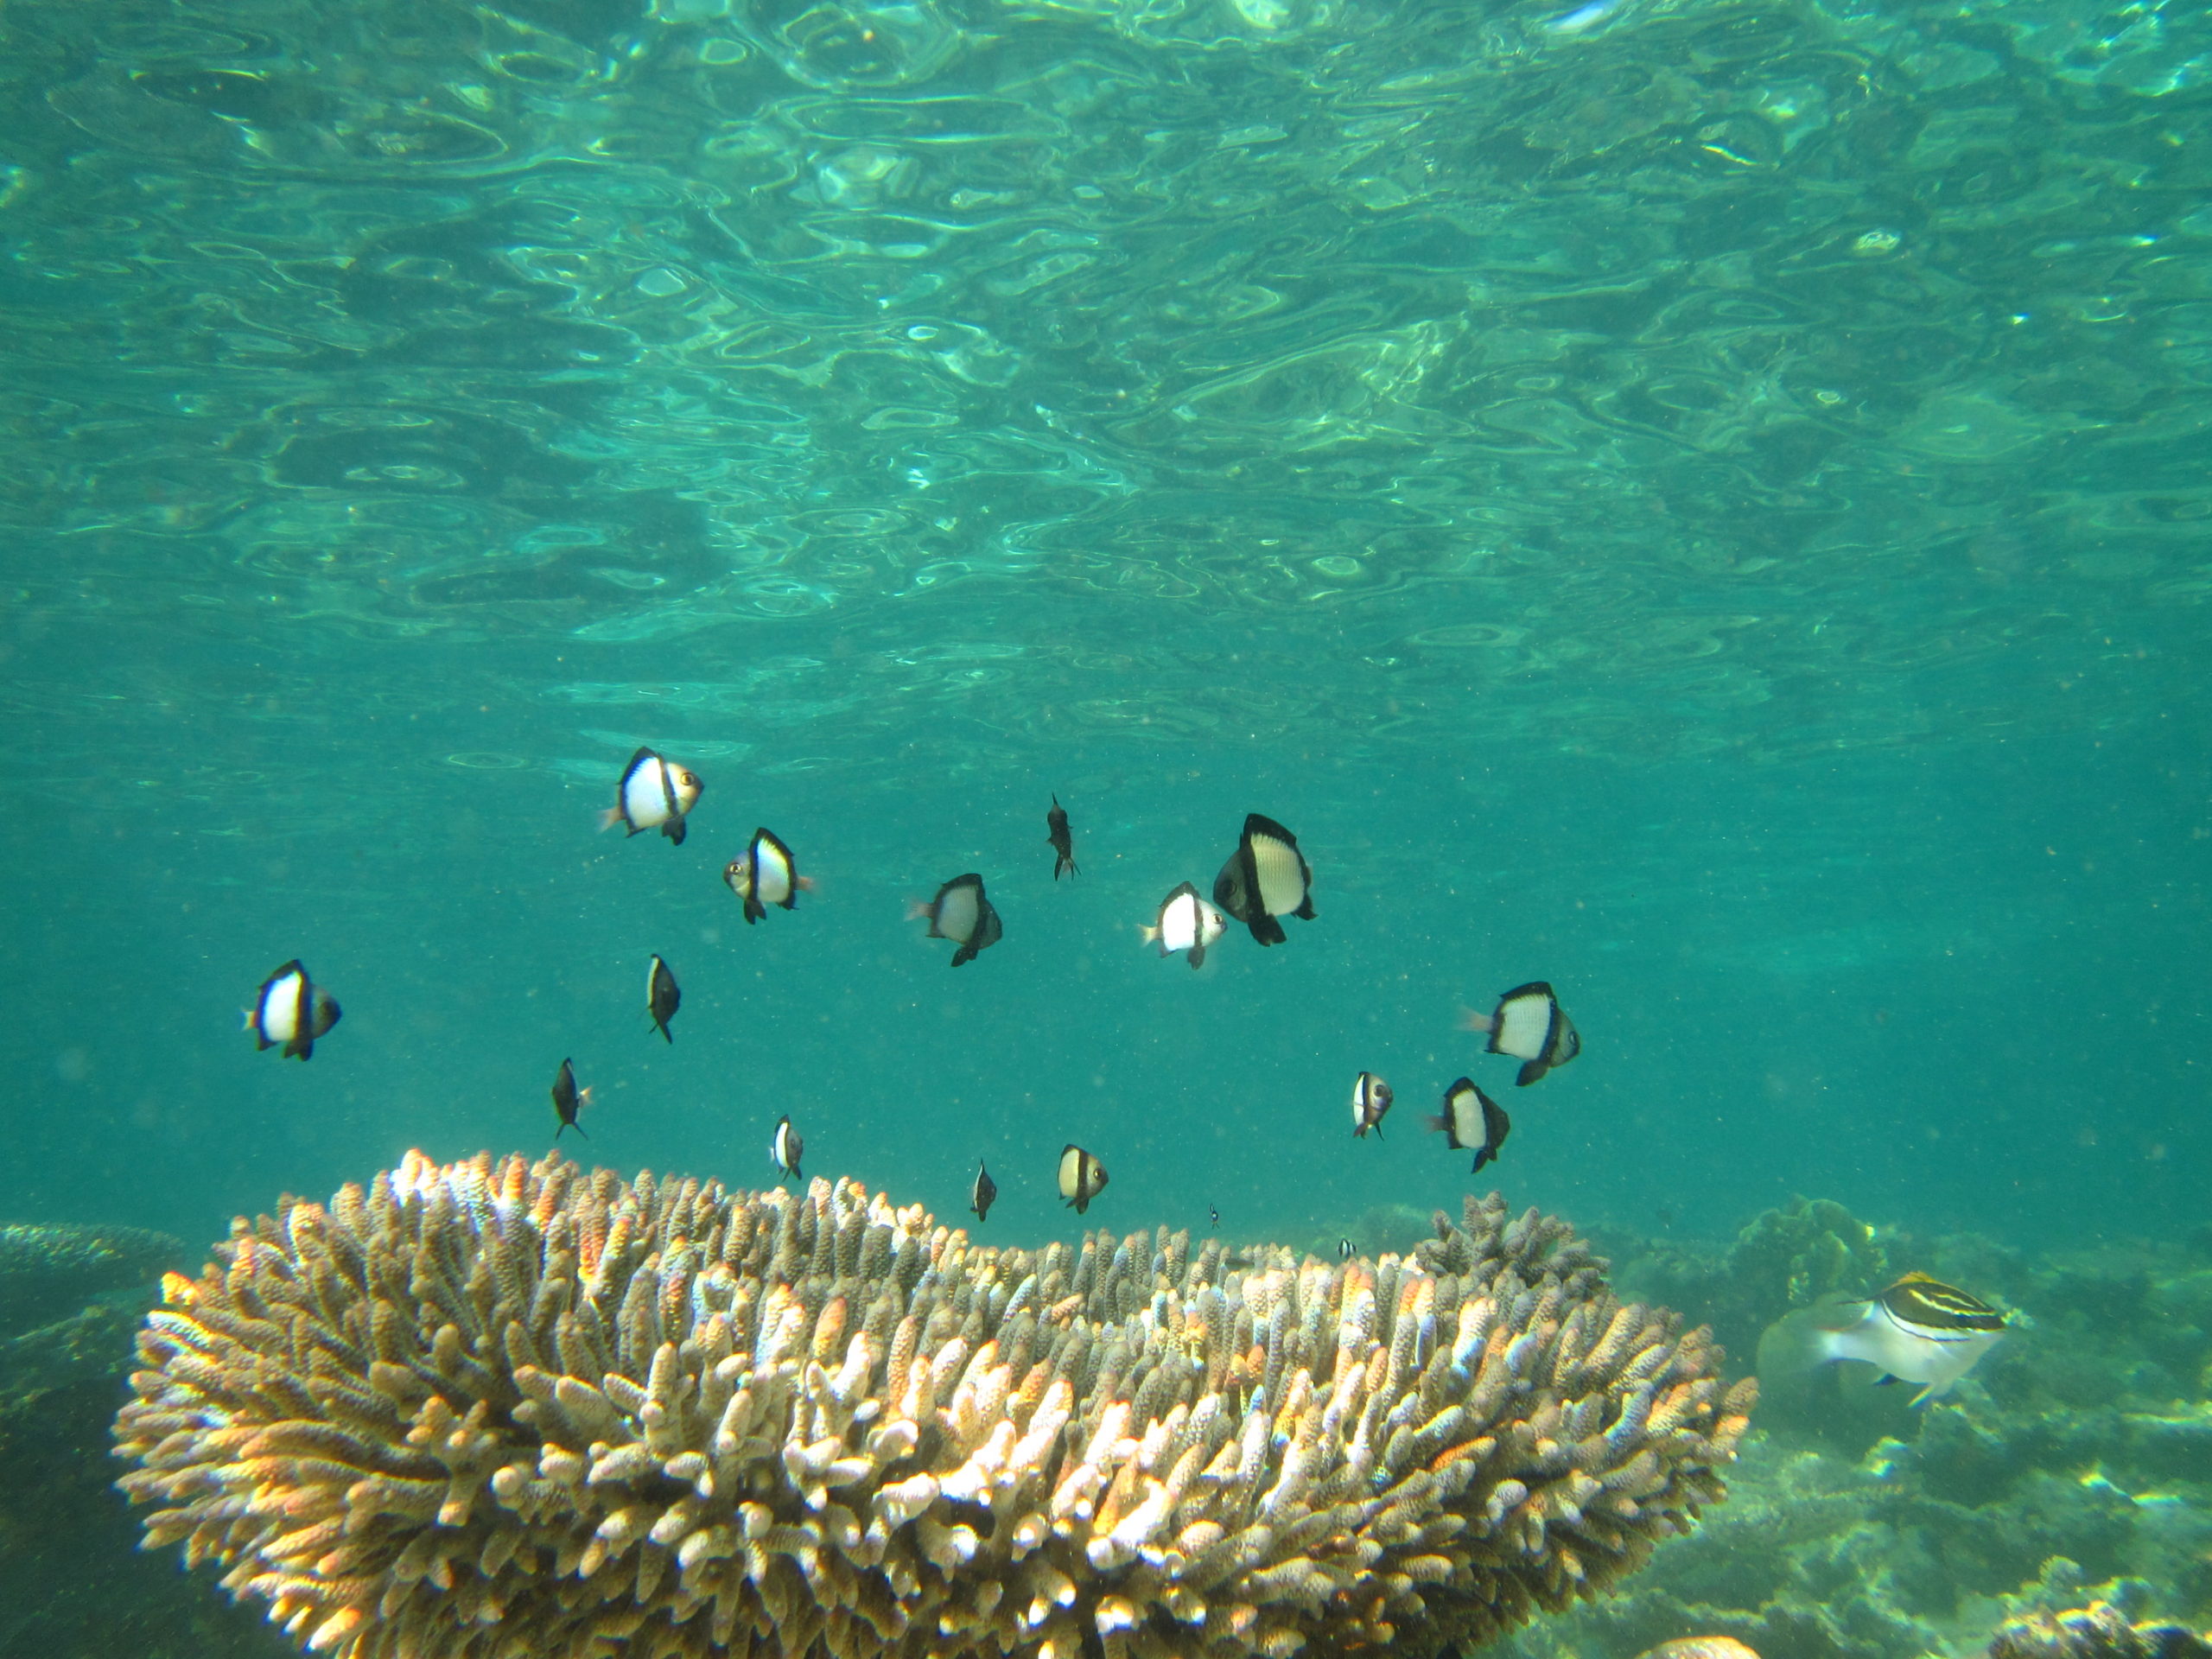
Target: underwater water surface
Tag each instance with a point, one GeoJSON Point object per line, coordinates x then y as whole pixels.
{"type": "Point", "coordinates": [1700, 503]}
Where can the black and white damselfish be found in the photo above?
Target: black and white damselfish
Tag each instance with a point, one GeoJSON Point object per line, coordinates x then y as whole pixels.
{"type": "Point", "coordinates": [291, 1009]}
{"type": "Point", "coordinates": [1186, 923]}
{"type": "Point", "coordinates": [662, 996]}
{"type": "Point", "coordinates": [984, 1194]}
{"type": "Point", "coordinates": [1083, 1178]}
{"type": "Point", "coordinates": [654, 794]}
{"type": "Point", "coordinates": [1530, 1025]}
{"type": "Point", "coordinates": [1471, 1119]}
{"type": "Point", "coordinates": [1056, 832]}
{"type": "Point", "coordinates": [764, 874]}
{"type": "Point", "coordinates": [962, 913]}
{"type": "Point", "coordinates": [785, 1150]}
{"type": "Point", "coordinates": [1266, 877]}
{"type": "Point", "coordinates": [1371, 1104]}
{"type": "Point", "coordinates": [569, 1100]}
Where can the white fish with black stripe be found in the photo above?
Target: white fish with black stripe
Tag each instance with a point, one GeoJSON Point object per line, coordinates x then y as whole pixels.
{"type": "Point", "coordinates": [1530, 1025]}
{"type": "Point", "coordinates": [962, 912]}
{"type": "Point", "coordinates": [1371, 1104]}
{"type": "Point", "coordinates": [654, 794]}
{"type": "Point", "coordinates": [785, 1148]}
{"type": "Point", "coordinates": [1083, 1178]}
{"type": "Point", "coordinates": [1266, 877]}
{"type": "Point", "coordinates": [1471, 1119]}
{"type": "Point", "coordinates": [765, 874]}
{"type": "Point", "coordinates": [290, 1009]}
{"type": "Point", "coordinates": [1186, 923]}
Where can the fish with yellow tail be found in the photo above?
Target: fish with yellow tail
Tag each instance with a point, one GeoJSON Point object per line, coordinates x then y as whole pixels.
{"type": "Point", "coordinates": [655, 793]}
{"type": "Point", "coordinates": [1920, 1330]}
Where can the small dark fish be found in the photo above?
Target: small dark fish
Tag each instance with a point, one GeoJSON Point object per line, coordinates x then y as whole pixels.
{"type": "Point", "coordinates": [1082, 1178]}
{"type": "Point", "coordinates": [1471, 1119]}
{"type": "Point", "coordinates": [960, 912]}
{"type": "Point", "coordinates": [1530, 1025]}
{"type": "Point", "coordinates": [764, 875]}
{"type": "Point", "coordinates": [1213, 1219]}
{"type": "Point", "coordinates": [291, 1009]}
{"type": "Point", "coordinates": [1266, 877]}
{"type": "Point", "coordinates": [662, 997]}
{"type": "Point", "coordinates": [1056, 831]}
{"type": "Point", "coordinates": [785, 1150]}
{"type": "Point", "coordinates": [569, 1100]}
{"type": "Point", "coordinates": [1371, 1104]}
{"type": "Point", "coordinates": [1345, 1251]}
{"type": "Point", "coordinates": [986, 1191]}
{"type": "Point", "coordinates": [654, 794]}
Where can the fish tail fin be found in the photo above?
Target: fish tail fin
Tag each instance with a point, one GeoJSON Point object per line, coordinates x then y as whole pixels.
{"type": "Point", "coordinates": [1149, 931]}
{"type": "Point", "coordinates": [1794, 1344]}
{"type": "Point", "coordinates": [805, 884]}
{"type": "Point", "coordinates": [609, 818]}
{"type": "Point", "coordinates": [1439, 1120]}
{"type": "Point", "coordinates": [1470, 1021]}
{"type": "Point", "coordinates": [916, 910]}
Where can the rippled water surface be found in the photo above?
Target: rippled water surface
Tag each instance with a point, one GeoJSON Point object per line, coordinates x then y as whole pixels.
{"type": "Point", "coordinates": [1701, 502]}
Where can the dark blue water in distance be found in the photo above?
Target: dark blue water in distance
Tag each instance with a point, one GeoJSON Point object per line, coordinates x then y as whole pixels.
{"type": "Point", "coordinates": [1705, 506]}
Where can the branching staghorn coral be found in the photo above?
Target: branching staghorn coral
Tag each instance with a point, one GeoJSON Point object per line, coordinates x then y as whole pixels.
{"type": "Point", "coordinates": [499, 1409]}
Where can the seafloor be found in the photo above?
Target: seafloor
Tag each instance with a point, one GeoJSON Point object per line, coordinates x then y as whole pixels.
{"type": "Point", "coordinates": [2075, 1463]}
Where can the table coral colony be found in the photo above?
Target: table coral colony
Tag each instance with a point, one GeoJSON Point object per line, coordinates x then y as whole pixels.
{"type": "Point", "coordinates": [497, 1408]}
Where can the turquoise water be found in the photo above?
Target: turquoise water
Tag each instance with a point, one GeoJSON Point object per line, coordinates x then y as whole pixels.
{"type": "Point", "coordinates": [1702, 504]}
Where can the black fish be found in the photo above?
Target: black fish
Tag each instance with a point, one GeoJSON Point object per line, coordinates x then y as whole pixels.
{"type": "Point", "coordinates": [568, 1100]}
{"type": "Point", "coordinates": [785, 1149]}
{"type": "Point", "coordinates": [1530, 1025]}
{"type": "Point", "coordinates": [986, 1191]}
{"type": "Point", "coordinates": [1056, 831]}
{"type": "Point", "coordinates": [662, 998]}
{"type": "Point", "coordinates": [1266, 877]}
{"type": "Point", "coordinates": [1345, 1251]}
{"type": "Point", "coordinates": [1213, 1219]}
{"type": "Point", "coordinates": [1082, 1178]}
{"type": "Point", "coordinates": [1471, 1119]}
{"type": "Point", "coordinates": [291, 1009]}
{"type": "Point", "coordinates": [764, 875]}
{"type": "Point", "coordinates": [962, 913]}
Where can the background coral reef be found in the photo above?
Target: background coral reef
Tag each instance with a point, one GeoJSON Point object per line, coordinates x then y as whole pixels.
{"type": "Point", "coordinates": [2074, 1462]}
